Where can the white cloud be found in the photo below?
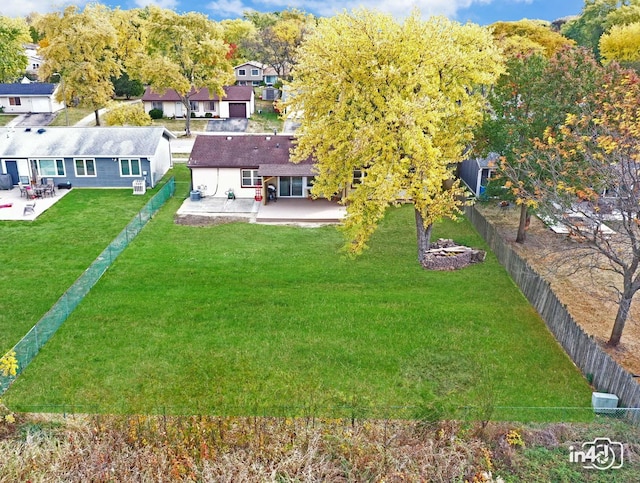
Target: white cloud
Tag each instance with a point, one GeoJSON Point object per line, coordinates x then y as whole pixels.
{"type": "Point", "coordinates": [22, 8]}
{"type": "Point", "coordinates": [169, 4]}
{"type": "Point", "coordinates": [227, 8]}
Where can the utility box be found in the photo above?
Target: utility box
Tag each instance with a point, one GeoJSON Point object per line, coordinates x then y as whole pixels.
{"type": "Point", "coordinates": [604, 403]}
{"type": "Point", "coordinates": [139, 187]}
{"type": "Point", "coordinates": [194, 195]}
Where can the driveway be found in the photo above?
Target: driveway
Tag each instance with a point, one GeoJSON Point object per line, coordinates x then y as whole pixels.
{"type": "Point", "coordinates": [228, 125]}
{"type": "Point", "coordinates": [32, 119]}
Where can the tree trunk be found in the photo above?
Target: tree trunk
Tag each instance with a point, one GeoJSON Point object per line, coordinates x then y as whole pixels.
{"type": "Point", "coordinates": [524, 223]}
{"type": "Point", "coordinates": [621, 319]}
{"type": "Point", "coordinates": [423, 235]}
{"type": "Point", "coordinates": [97, 114]}
{"type": "Point", "coordinates": [187, 123]}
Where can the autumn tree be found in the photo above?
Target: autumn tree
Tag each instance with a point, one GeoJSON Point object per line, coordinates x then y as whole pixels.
{"type": "Point", "coordinates": [526, 37]}
{"type": "Point", "coordinates": [14, 32]}
{"type": "Point", "coordinates": [622, 44]}
{"type": "Point", "coordinates": [592, 181]}
{"type": "Point", "coordinates": [534, 93]}
{"type": "Point", "coordinates": [597, 17]}
{"type": "Point", "coordinates": [279, 35]}
{"type": "Point", "coordinates": [396, 101]}
{"type": "Point", "coordinates": [184, 53]}
{"type": "Point", "coordinates": [80, 47]}
{"type": "Point", "coordinates": [126, 114]}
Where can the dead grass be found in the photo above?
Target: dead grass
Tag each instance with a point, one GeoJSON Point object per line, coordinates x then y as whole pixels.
{"type": "Point", "coordinates": [588, 295]}
{"type": "Point", "coordinates": [82, 448]}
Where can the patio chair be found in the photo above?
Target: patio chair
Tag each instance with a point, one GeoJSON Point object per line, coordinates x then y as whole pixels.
{"type": "Point", "coordinates": [23, 189]}
{"type": "Point", "coordinates": [30, 193]}
{"type": "Point", "coordinates": [29, 208]}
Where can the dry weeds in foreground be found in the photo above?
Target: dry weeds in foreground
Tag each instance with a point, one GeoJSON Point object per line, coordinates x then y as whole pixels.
{"type": "Point", "coordinates": [586, 294]}
{"type": "Point", "coordinates": [39, 448]}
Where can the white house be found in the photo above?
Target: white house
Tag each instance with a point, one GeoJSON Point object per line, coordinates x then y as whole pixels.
{"type": "Point", "coordinates": [238, 102]}
{"type": "Point", "coordinates": [32, 97]}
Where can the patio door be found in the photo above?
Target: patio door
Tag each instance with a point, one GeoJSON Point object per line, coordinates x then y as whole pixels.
{"type": "Point", "coordinates": [291, 187]}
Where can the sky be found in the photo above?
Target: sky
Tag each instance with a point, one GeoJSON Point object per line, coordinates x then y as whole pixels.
{"type": "Point", "coordinates": [483, 12]}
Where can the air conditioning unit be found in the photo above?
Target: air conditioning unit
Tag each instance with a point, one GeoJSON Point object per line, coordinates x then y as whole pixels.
{"type": "Point", "coordinates": [139, 187]}
{"type": "Point", "coordinates": [604, 403]}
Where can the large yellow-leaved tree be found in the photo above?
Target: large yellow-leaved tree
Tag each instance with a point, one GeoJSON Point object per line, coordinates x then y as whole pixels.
{"type": "Point", "coordinates": [79, 47]}
{"type": "Point", "coordinates": [396, 102]}
{"type": "Point", "coordinates": [185, 53]}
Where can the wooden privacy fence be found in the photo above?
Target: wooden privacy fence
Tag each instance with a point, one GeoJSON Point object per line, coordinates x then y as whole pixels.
{"type": "Point", "coordinates": [605, 374]}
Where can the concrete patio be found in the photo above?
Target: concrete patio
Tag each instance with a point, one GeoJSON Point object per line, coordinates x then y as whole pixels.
{"type": "Point", "coordinates": [284, 211]}
{"type": "Point", "coordinates": [12, 205]}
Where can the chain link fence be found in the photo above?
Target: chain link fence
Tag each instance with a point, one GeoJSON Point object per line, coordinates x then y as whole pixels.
{"type": "Point", "coordinates": [29, 346]}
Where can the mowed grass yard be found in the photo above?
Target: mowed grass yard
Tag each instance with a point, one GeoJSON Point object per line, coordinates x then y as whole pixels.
{"type": "Point", "coordinates": [275, 320]}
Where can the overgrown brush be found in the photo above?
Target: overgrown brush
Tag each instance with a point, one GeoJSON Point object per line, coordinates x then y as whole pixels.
{"type": "Point", "coordinates": [40, 448]}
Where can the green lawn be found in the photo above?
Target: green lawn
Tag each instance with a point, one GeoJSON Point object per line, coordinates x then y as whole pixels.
{"type": "Point", "coordinates": [243, 318]}
{"type": "Point", "coordinates": [6, 119]}
{"type": "Point", "coordinates": [42, 258]}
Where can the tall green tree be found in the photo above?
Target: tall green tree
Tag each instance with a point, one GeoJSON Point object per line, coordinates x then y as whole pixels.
{"type": "Point", "coordinates": [534, 93]}
{"type": "Point", "coordinates": [80, 47]}
{"type": "Point", "coordinates": [597, 17]}
{"type": "Point", "coordinates": [14, 32]}
{"type": "Point", "coordinates": [395, 101]}
{"type": "Point", "coordinates": [184, 53]}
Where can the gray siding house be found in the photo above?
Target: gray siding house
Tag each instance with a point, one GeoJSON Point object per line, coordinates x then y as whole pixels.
{"type": "Point", "coordinates": [476, 172]}
{"type": "Point", "coordinates": [89, 157]}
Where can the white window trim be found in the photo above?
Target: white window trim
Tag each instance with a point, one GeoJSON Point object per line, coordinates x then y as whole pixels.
{"type": "Point", "coordinates": [130, 170]}
{"type": "Point", "coordinates": [242, 72]}
{"type": "Point", "coordinates": [254, 177]}
{"type": "Point", "coordinates": [255, 72]}
{"type": "Point", "coordinates": [55, 160]}
{"type": "Point", "coordinates": [84, 163]}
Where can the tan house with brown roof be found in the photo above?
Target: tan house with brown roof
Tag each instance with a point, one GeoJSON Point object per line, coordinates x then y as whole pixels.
{"type": "Point", "coordinates": [238, 102]}
{"type": "Point", "coordinates": [247, 164]}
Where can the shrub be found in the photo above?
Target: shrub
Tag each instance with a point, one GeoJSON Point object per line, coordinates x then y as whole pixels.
{"type": "Point", "coordinates": [208, 114]}
{"type": "Point", "coordinates": [156, 113]}
{"type": "Point", "coordinates": [193, 114]}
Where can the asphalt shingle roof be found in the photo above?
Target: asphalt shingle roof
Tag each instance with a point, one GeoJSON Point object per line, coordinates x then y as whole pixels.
{"type": "Point", "coordinates": [32, 89]}
{"type": "Point", "coordinates": [232, 93]}
{"type": "Point", "coordinates": [80, 141]}
{"type": "Point", "coordinates": [245, 151]}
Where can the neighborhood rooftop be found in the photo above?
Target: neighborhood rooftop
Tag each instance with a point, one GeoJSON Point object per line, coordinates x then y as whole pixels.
{"type": "Point", "coordinates": [31, 89]}
{"type": "Point", "coordinates": [232, 93]}
{"type": "Point", "coordinates": [34, 142]}
{"type": "Point", "coordinates": [246, 150]}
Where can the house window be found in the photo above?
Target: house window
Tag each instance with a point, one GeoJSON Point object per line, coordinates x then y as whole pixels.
{"type": "Point", "coordinates": [242, 72]}
{"type": "Point", "coordinates": [157, 105]}
{"type": "Point", "coordinates": [85, 167]}
{"type": "Point", "coordinates": [50, 167]}
{"type": "Point", "coordinates": [358, 174]}
{"type": "Point", "coordinates": [255, 72]}
{"type": "Point", "coordinates": [130, 167]}
{"type": "Point", "coordinates": [250, 178]}
{"type": "Point", "coordinates": [194, 105]}
{"type": "Point", "coordinates": [211, 105]}
{"type": "Point", "coordinates": [14, 101]}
